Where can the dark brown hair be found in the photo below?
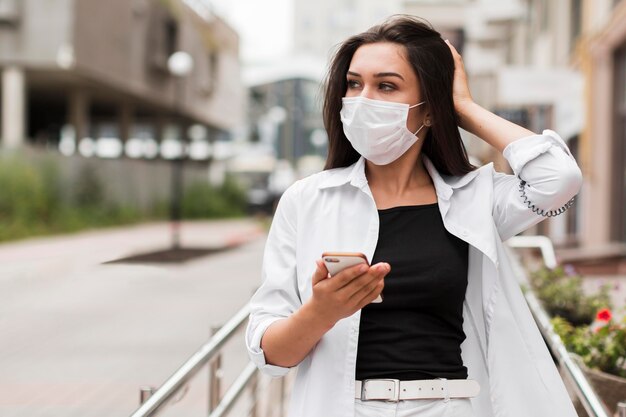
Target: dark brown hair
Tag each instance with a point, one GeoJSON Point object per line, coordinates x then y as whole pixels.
{"type": "Point", "coordinates": [432, 61]}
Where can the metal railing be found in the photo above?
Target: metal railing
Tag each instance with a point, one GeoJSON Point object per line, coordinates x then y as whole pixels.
{"type": "Point", "coordinates": [154, 401]}
{"type": "Point", "coordinates": [583, 389]}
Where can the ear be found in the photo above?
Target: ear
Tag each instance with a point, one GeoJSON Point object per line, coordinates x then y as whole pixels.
{"type": "Point", "coordinates": [427, 119]}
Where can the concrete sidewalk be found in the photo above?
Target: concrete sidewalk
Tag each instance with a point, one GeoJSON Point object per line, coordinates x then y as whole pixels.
{"type": "Point", "coordinates": [79, 337]}
{"type": "Point", "coordinates": [103, 245]}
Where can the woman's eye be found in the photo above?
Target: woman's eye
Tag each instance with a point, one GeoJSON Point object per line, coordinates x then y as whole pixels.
{"type": "Point", "coordinates": [387, 87]}
{"type": "Point", "coordinates": [353, 84]}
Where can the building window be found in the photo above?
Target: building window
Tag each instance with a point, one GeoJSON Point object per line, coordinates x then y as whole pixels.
{"type": "Point", "coordinates": [572, 214]}
{"type": "Point", "coordinates": [163, 38]}
{"type": "Point", "coordinates": [208, 74]}
{"type": "Point", "coordinates": [543, 15]}
{"type": "Point", "coordinates": [619, 141]}
{"type": "Point", "coordinates": [10, 11]}
{"type": "Point", "coordinates": [575, 21]}
{"type": "Point", "coordinates": [171, 36]}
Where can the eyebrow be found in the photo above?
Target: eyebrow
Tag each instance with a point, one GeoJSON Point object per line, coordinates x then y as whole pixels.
{"type": "Point", "coordinates": [380, 74]}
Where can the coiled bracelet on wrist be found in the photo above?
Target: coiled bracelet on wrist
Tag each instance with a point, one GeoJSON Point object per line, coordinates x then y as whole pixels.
{"type": "Point", "coordinates": [550, 213]}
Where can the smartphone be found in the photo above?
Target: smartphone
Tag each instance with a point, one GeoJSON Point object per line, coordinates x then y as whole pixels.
{"type": "Point", "coordinates": [337, 261]}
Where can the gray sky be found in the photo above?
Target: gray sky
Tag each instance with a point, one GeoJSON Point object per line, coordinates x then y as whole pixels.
{"type": "Point", "coordinates": [264, 27]}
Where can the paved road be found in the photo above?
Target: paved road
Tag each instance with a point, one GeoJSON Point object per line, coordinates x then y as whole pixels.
{"type": "Point", "coordinates": [79, 337]}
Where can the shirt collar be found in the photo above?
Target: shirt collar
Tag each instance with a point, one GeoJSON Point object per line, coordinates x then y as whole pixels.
{"type": "Point", "coordinates": [355, 175]}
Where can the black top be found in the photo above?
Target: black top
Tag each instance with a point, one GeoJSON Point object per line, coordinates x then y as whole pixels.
{"type": "Point", "coordinates": [416, 332]}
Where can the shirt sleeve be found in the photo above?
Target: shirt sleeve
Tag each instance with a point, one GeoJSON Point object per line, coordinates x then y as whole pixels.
{"type": "Point", "coordinates": [546, 178]}
{"type": "Point", "coordinates": [278, 296]}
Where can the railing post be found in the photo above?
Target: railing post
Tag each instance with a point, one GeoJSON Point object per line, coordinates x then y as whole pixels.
{"type": "Point", "coordinates": [198, 361]}
{"type": "Point", "coordinates": [145, 393]}
{"type": "Point", "coordinates": [215, 375]}
{"type": "Point", "coordinates": [253, 393]}
{"type": "Point", "coordinates": [282, 397]}
{"type": "Point", "coordinates": [621, 409]}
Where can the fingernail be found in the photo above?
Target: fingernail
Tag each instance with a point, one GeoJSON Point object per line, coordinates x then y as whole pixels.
{"type": "Point", "coordinates": [363, 268]}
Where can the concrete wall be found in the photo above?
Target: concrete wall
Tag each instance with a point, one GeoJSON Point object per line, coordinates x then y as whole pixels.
{"type": "Point", "coordinates": [41, 30]}
{"type": "Point", "coordinates": [109, 47]}
{"type": "Point", "coordinates": [604, 187]}
{"type": "Point", "coordinates": [115, 42]}
{"type": "Point", "coordinates": [126, 181]}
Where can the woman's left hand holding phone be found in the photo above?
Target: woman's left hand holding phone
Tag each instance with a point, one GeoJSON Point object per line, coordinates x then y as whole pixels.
{"type": "Point", "coordinates": [286, 342]}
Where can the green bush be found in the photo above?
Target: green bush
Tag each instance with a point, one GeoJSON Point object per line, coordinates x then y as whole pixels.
{"type": "Point", "coordinates": [562, 295]}
{"type": "Point", "coordinates": [88, 190]}
{"type": "Point", "coordinates": [601, 345]}
{"type": "Point", "coordinates": [201, 200]}
{"type": "Point", "coordinates": [23, 199]}
{"type": "Point", "coordinates": [34, 200]}
{"type": "Point", "coordinates": [583, 322]}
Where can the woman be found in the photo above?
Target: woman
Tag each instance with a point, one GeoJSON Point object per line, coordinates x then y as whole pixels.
{"type": "Point", "coordinates": [399, 188]}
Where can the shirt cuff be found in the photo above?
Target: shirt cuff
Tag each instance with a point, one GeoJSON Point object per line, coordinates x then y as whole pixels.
{"type": "Point", "coordinates": [519, 152]}
{"type": "Point", "coordinates": [258, 356]}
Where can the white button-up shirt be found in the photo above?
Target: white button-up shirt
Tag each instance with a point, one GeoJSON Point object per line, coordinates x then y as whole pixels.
{"type": "Point", "coordinates": [334, 211]}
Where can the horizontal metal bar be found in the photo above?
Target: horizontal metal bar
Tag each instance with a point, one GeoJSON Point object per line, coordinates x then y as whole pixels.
{"type": "Point", "coordinates": [584, 391]}
{"type": "Point", "coordinates": [543, 243]}
{"type": "Point", "coordinates": [235, 391]}
{"type": "Point", "coordinates": [192, 366]}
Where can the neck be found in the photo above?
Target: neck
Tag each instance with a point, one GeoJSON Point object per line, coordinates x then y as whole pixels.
{"type": "Point", "coordinates": [406, 173]}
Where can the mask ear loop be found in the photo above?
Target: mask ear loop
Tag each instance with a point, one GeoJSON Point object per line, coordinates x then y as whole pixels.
{"type": "Point", "coordinates": [415, 105]}
{"type": "Point", "coordinates": [418, 104]}
{"type": "Point", "coordinates": [418, 130]}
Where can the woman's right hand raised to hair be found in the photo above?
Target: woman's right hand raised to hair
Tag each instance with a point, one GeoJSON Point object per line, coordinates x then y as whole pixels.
{"type": "Point", "coordinates": [491, 128]}
{"type": "Point", "coordinates": [460, 87]}
{"type": "Point", "coordinates": [340, 296]}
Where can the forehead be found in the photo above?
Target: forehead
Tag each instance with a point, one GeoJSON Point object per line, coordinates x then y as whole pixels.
{"type": "Point", "coordinates": [381, 57]}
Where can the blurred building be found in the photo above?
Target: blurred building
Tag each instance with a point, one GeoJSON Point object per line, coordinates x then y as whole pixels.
{"type": "Point", "coordinates": [600, 53]}
{"type": "Point", "coordinates": [284, 107]}
{"type": "Point", "coordinates": [321, 25]}
{"type": "Point", "coordinates": [285, 131]}
{"type": "Point", "coordinates": [81, 73]}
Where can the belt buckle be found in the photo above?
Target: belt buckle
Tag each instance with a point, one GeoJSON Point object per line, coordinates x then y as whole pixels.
{"type": "Point", "coordinates": [395, 395]}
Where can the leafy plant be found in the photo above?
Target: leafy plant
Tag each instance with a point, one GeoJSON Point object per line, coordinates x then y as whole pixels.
{"type": "Point", "coordinates": [584, 322]}
{"type": "Point", "coordinates": [36, 200]}
{"type": "Point", "coordinates": [201, 200]}
{"type": "Point", "coordinates": [560, 290]}
{"type": "Point", "coordinates": [601, 345]}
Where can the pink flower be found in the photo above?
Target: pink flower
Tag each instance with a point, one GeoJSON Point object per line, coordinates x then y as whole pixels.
{"type": "Point", "coordinates": [604, 315]}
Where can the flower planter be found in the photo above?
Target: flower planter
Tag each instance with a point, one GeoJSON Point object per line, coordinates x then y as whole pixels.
{"type": "Point", "coordinates": [610, 388]}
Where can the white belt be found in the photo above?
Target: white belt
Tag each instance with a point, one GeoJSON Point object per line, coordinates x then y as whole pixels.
{"type": "Point", "coordinates": [396, 390]}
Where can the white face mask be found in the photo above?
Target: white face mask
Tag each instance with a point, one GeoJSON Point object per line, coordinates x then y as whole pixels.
{"type": "Point", "coordinates": [377, 129]}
